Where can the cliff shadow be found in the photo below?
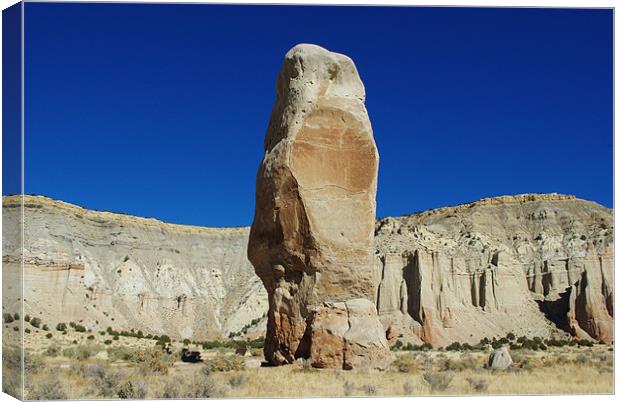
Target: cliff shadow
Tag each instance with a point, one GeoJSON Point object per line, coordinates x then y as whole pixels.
{"type": "Point", "coordinates": [556, 310]}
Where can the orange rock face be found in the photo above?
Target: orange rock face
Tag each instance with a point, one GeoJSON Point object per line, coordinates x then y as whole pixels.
{"type": "Point", "coordinates": [590, 300]}
{"type": "Point", "coordinates": [312, 240]}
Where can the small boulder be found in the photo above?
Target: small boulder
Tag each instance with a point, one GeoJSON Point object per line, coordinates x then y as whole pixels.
{"type": "Point", "coordinates": [499, 359]}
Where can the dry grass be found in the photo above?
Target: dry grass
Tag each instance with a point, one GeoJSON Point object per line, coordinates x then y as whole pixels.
{"type": "Point", "coordinates": [147, 373]}
{"type": "Point", "coordinates": [571, 378]}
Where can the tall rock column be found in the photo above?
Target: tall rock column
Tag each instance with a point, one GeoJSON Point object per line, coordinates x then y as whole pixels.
{"type": "Point", "coordinates": [312, 240]}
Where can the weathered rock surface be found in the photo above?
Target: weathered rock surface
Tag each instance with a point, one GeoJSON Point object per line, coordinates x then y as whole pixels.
{"type": "Point", "coordinates": [347, 335]}
{"type": "Point", "coordinates": [311, 242]}
{"type": "Point", "coordinates": [103, 269]}
{"type": "Point", "coordinates": [529, 264]}
{"type": "Point", "coordinates": [535, 265]}
{"type": "Point", "coordinates": [499, 359]}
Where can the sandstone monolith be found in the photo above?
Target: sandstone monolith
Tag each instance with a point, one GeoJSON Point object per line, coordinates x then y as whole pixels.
{"type": "Point", "coordinates": [312, 242]}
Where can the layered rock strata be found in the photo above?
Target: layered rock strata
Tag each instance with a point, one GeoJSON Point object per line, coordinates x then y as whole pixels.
{"type": "Point", "coordinates": [535, 265]}
{"type": "Point", "coordinates": [311, 242]}
{"type": "Point", "coordinates": [105, 269]}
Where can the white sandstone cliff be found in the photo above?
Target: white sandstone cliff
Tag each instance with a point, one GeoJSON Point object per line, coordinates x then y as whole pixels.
{"type": "Point", "coordinates": [531, 265]}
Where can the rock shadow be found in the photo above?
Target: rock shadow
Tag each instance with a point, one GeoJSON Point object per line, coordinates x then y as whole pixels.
{"type": "Point", "coordinates": [556, 310]}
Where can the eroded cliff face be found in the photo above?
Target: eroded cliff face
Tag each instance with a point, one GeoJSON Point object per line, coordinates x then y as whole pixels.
{"type": "Point", "coordinates": [532, 265]}
{"type": "Point", "coordinates": [105, 269]}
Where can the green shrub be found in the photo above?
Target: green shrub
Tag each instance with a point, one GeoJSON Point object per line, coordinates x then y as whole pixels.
{"type": "Point", "coordinates": [153, 360]}
{"type": "Point", "coordinates": [35, 322]}
{"type": "Point", "coordinates": [52, 351]}
{"type": "Point", "coordinates": [454, 346]}
{"type": "Point", "coordinates": [45, 327]}
{"type": "Point", "coordinates": [257, 343]}
{"type": "Point", "coordinates": [106, 382]}
{"type": "Point", "coordinates": [120, 353]}
{"type": "Point", "coordinates": [406, 364]}
{"type": "Point", "coordinates": [410, 347]}
{"type": "Point", "coordinates": [82, 352]}
{"type": "Point", "coordinates": [148, 360]}
{"type": "Point", "coordinates": [535, 343]}
{"type": "Point", "coordinates": [132, 390]}
{"type": "Point", "coordinates": [437, 381]}
{"type": "Point", "coordinates": [496, 344]}
{"type": "Point", "coordinates": [223, 363]}
{"type": "Point", "coordinates": [27, 318]}
{"type": "Point", "coordinates": [90, 337]}
{"type": "Point", "coordinates": [61, 326]}
{"type": "Point", "coordinates": [110, 331]}
{"type": "Point", "coordinates": [556, 342]}
{"type": "Point", "coordinates": [8, 318]}
{"type": "Point", "coordinates": [16, 317]}
{"type": "Point", "coordinates": [79, 328]}
{"type": "Point", "coordinates": [107, 342]}
{"type": "Point", "coordinates": [585, 342]}
{"type": "Point", "coordinates": [458, 364]}
{"type": "Point", "coordinates": [48, 335]}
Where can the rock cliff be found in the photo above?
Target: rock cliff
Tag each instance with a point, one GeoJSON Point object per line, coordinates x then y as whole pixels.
{"type": "Point", "coordinates": [531, 264]}
{"type": "Point", "coordinates": [106, 269]}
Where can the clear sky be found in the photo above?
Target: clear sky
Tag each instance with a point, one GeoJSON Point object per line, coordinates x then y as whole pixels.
{"type": "Point", "coordinates": [161, 110]}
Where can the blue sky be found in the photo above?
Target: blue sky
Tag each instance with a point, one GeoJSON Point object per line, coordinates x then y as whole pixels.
{"type": "Point", "coordinates": [161, 110]}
